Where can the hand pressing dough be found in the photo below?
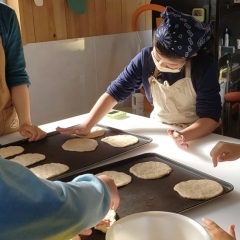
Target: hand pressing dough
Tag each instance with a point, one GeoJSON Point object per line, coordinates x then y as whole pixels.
{"type": "Point", "coordinates": [199, 189]}
{"type": "Point", "coordinates": [10, 151]}
{"type": "Point", "coordinates": [150, 170]}
{"type": "Point", "coordinates": [95, 132]}
{"type": "Point", "coordinates": [120, 140]}
{"type": "Point", "coordinates": [28, 158]}
{"type": "Point", "coordinates": [120, 178]}
{"type": "Point", "coordinates": [80, 145]}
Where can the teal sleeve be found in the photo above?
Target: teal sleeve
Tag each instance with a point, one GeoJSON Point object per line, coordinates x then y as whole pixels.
{"type": "Point", "coordinates": [15, 61]}
{"type": "Point", "coordinates": [33, 208]}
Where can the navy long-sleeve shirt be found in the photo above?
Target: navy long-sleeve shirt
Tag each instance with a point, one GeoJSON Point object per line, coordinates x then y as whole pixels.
{"type": "Point", "coordinates": [204, 74]}
{"type": "Point", "coordinates": [11, 38]}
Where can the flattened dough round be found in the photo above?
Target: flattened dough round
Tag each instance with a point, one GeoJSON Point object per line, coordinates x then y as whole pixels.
{"type": "Point", "coordinates": [199, 189]}
{"type": "Point", "coordinates": [28, 158]}
{"type": "Point", "coordinates": [10, 151]}
{"type": "Point", "coordinates": [95, 132]}
{"type": "Point", "coordinates": [120, 178]}
{"type": "Point", "coordinates": [80, 145]}
{"type": "Point", "coordinates": [150, 170]}
{"type": "Point", "coordinates": [120, 140]}
{"type": "Point", "coordinates": [49, 170]}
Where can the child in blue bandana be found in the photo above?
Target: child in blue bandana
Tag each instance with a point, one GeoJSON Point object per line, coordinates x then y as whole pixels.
{"type": "Point", "coordinates": [179, 76]}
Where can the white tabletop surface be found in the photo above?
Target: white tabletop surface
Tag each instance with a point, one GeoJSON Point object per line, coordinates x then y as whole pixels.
{"type": "Point", "coordinates": [224, 210]}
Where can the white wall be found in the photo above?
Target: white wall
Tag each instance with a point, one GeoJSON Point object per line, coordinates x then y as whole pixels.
{"type": "Point", "coordinates": [67, 77]}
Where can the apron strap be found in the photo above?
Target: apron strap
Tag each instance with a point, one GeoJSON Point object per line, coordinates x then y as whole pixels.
{"type": "Point", "coordinates": [188, 69]}
{"type": "Point", "coordinates": [155, 72]}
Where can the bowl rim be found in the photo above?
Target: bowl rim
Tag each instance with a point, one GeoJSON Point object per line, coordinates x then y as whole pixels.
{"type": "Point", "coordinates": [160, 213]}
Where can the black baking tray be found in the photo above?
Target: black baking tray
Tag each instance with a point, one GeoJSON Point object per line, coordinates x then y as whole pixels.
{"type": "Point", "coordinates": [51, 147]}
{"type": "Point", "coordinates": [153, 195]}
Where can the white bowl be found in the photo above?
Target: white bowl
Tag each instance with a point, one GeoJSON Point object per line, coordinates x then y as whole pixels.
{"type": "Point", "coordinates": [156, 225]}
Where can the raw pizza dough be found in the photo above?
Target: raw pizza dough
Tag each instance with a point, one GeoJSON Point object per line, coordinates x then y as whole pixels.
{"type": "Point", "coordinates": [105, 224]}
{"type": "Point", "coordinates": [49, 170]}
{"type": "Point", "coordinates": [95, 132]}
{"type": "Point", "coordinates": [199, 189]}
{"type": "Point", "coordinates": [150, 170]}
{"type": "Point", "coordinates": [80, 145]}
{"type": "Point", "coordinates": [10, 151]}
{"type": "Point", "coordinates": [28, 158]}
{"type": "Point", "coordinates": [120, 178]}
{"type": "Point", "coordinates": [120, 140]}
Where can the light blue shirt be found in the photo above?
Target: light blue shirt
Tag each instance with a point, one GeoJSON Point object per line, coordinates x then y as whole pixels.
{"type": "Point", "coordinates": [32, 208]}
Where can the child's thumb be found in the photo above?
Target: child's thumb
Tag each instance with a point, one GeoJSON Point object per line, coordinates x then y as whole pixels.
{"type": "Point", "coordinates": [231, 231]}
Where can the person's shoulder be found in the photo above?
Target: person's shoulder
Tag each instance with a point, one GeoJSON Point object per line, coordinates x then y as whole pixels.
{"type": "Point", "coordinates": [6, 10]}
{"type": "Point", "coordinates": [147, 50]}
{"type": "Point", "coordinates": [204, 60]}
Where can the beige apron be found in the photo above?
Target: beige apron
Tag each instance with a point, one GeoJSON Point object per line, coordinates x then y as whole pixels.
{"type": "Point", "coordinates": [8, 118]}
{"type": "Point", "coordinates": [175, 104]}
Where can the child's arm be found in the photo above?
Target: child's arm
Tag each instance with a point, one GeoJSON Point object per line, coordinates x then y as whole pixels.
{"type": "Point", "coordinates": [20, 99]}
{"type": "Point", "coordinates": [31, 206]}
{"type": "Point", "coordinates": [104, 104]}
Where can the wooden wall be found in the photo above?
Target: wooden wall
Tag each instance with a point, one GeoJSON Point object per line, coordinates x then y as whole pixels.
{"type": "Point", "coordinates": [55, 21]}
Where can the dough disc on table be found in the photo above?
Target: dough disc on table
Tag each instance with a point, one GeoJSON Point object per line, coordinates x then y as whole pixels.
{"type": "Point", "coordinates": [80, 145]}
{"type": "Point", "coordinates": [120, 178]}
{"type": "Point", "coordinates": [95, 132]}
{"type": "Point", "coordinates": [28, 158]}
{"type": "Point", "coordinates": [49, 170]}
{"type": "Point", "coordinates": [199, 189]}
{"type": "Point", "coordinates": [150, 170]}
{"type": "Point", "coordinates": [120, 140]}
{"type": "Point", "coordinates": [10, 151]}
{"type": "Point", "coordinates": [105, 224]}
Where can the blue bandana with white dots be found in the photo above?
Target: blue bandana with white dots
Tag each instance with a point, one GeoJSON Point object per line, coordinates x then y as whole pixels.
{"type": "Point", "coordinates": [181, 33]}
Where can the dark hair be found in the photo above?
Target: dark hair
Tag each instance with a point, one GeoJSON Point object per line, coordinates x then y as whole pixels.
{"type": "Point", "coordinates": [206, 48]}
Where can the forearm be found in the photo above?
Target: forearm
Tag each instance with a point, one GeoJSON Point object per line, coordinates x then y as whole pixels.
{"type": "Point", "coordinates": [104, 104]}
{"type": "Point", "coordinates": [200, 128]}
{"type": "Point", "coordinates": [51, 210]}
{"type": "Point", "coordinates": [20, 99]}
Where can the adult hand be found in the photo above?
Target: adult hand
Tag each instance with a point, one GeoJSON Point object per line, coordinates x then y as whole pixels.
{"type": "Point", "coordinates": [218, 233]}
{"type": "Point", "coordinates": [81, 129]}
{"type": "Point", "coordinates": [178, 138]}
{"type": "Point", "coordinates": [33, 133]}
{"type": "Point", "coordinates": [113, 191]}
{"type": "Point", "coordinates": [224, 151]}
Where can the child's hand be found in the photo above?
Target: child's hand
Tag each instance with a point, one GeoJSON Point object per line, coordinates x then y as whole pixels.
{"type": "Point", "coordinates": [79, 130]}
{"type": "Point", "coordinates": [33, 133]}
{"type": "Point", "coordinates": [218, 233]}
{"type": "Point", "coordinates": [224, 151]}
{"type": "Point", "coordinates": [178, 138]}
{"type": "Point", "coordinates": [113, 191]}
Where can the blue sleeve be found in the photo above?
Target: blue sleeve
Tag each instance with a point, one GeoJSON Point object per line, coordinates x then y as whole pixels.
{"type": "Point", "coordinates": [31, 206]}
{"type": "Point", "coordinates": [128, 81]}
{"type": "Point", "coordinates": [15, 61]}
{"type": "Point", "coordinates": [208, 103]}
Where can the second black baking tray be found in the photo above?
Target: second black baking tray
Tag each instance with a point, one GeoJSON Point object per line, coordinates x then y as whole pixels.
{"type": "Point", "coordinates": [154, 195]}
{"type": "Point", "coordinates": [51, 147]}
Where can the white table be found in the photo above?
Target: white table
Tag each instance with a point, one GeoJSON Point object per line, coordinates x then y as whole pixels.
{"type": "Point", "coordinates": [224, 210]}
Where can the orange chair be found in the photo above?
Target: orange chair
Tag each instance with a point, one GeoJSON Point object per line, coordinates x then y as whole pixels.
{"type": "Point", "coordinates": [153, 7]}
